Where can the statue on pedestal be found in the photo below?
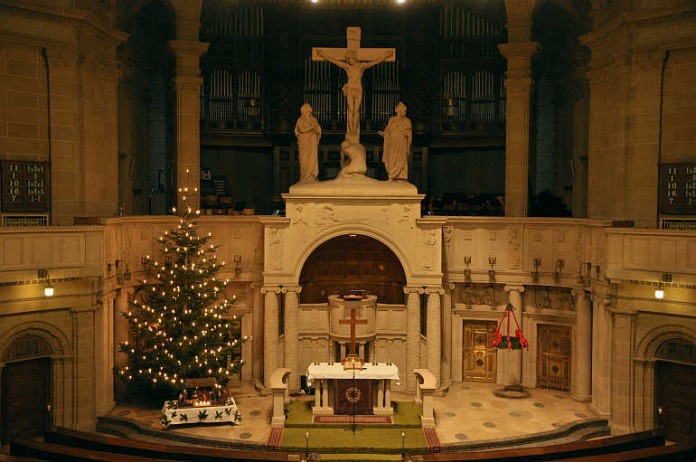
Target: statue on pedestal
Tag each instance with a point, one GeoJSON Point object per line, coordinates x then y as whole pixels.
{"type": "Point", "coordinates": [397, 135]}
{"type": "Point", "coordinates": [308, 133]}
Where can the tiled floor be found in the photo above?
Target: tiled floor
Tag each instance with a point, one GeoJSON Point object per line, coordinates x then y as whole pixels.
{"type": "Point", "coordinates": [468, 413]}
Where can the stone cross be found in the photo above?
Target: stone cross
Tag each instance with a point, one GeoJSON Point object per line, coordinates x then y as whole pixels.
{"type": "Point", "coordinates": [354, 60]}
{"type": "Point", "coordinates": [353, 322]}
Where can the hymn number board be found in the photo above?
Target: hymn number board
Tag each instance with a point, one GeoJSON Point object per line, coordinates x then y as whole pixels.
{"type": "Point", "coordinates": [25, 186]}
{"type": "Point", "coordinates": [678, 189]}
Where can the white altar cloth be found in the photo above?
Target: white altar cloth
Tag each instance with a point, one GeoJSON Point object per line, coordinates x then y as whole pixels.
{"type": "Point", "coordinates": [381, 371]}
{"type": "Point", "coordinates": [172, 414]}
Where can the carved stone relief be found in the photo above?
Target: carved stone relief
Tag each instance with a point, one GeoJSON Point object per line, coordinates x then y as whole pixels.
{"type": "Point", "coordinates": [549, 298]}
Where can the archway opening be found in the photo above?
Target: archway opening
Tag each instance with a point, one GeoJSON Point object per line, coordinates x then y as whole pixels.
{"type": "Point", "coordinates": [675, 380]}
{"type": "Point", "coordinates": [351, 262]}
{"type": "Point", "coordinates": [26, 387]}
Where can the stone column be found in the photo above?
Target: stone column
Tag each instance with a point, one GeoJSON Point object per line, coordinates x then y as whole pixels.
{"type": "Point", "coordinates": [270, 338]}
{"type": "Point", "coordinates": [622, 373]}
{"type": "Point", "coordinates": [518, 87]}
{"type": "Point", "coordinates": [601, 356]}
{"type": "Point", "coordinates": [447, 322]}
{"type": "Point", "coordinates": [413, 337]}
{"type": "Point", "coordinates": [518, 84]}
{"type": "Point", "coordinates": [434, 339]}
{"type": "Point", "coordinates": [509, 363]}
{"type": "Point", "coordinates": [257, 339]}
{"type": "Point", "coordinates": [292, 320]}
{"type": "Point", "coordinates": [582, 370]}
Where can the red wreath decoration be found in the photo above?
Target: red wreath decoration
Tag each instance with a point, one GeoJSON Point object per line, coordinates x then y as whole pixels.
{"type": "Point", "coordinates": [517, 342]}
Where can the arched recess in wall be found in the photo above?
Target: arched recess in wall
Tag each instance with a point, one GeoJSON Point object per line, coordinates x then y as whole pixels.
{"type": "Point", "coordinates": [350, 262]}
{"type": "Point", "coordinates": [147, 153]}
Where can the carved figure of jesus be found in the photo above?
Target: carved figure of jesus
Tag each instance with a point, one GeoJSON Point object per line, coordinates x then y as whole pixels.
{"type": "Point", "coordinates": [353, 88]}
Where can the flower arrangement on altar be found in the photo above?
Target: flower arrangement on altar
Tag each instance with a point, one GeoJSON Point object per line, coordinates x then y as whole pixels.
{"type": "Point", "coordinates": [506, 340]}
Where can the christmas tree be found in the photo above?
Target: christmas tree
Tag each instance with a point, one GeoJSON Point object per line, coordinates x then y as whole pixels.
{"type": "Point", "coordinates": [180, 320]}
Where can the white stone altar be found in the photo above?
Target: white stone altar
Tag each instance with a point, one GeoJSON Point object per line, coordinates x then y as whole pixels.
{"type": "Point", "coordinates": [173, 414]}
{"type": "Point", "coordinates": [321, 377]}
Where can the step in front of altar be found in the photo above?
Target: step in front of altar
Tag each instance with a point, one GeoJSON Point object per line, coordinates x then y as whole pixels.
{"type": "Point", "coordinates": [343, 419]}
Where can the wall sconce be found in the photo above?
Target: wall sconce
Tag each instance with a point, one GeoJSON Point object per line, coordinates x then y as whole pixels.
{"type": "Point", "coordinates": [122, 271]}
{"type": "Point", "coordinates": [491, 272]}
{"type": "Point", "coordinates": [237, 264]}
{"type": "Point", "coordinates": [660, 292]}
{"type": "Point", "coordinates": [48, 288]}
{"type": "Point", "coordinates": [467, 271]}
{"type": "Point", "coordinates": [560, 264]}
{"type": "Point", "coordinates": [537, 264]}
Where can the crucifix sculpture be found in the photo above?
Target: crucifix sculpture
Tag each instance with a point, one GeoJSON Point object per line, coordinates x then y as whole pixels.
{"type": "Point", "coordinates": [352, 361]}
{"type": "Point", "coordinates": [354, 60]}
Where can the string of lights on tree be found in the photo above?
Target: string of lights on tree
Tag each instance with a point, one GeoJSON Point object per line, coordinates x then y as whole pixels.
{"type": "Point", "coordinates": [180, 318]}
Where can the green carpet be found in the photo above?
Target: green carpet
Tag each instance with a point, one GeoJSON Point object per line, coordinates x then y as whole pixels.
{"type": "Point", "coordinates": [341, 440]}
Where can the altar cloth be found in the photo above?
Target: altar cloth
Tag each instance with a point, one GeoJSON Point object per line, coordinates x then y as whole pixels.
{"type": "Point", "coordinates": [173, 414]}
{"type": "Point", "coordinates": [381, 371]}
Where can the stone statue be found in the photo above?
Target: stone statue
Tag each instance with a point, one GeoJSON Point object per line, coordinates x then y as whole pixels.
{"type": "Point", "coordinates": [353, 160]}
{"type": "Point", "coordinates": [352, 90]}
{"type": "Point", "coordinates": [308, 133]}
{"type": "Point", "coordinates": [354, 60]}
{"type": "Point", "coordinates": [397, 144]}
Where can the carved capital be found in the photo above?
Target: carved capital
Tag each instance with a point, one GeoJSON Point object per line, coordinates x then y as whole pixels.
{"type": "Point", "coordinates": [293, 288]}
{"type": "Point", "coordinates": [434, 290]}
{"type": "Point", "coordinates": [414, 290]}
{"type": "Point", "coordinates": [519, 57]}
{"type": "Point", "coordinates": [514, 288]}
{"type": "Point", "coordinates": [271, 289]}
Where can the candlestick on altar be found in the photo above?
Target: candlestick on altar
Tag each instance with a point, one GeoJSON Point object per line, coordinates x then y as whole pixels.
{"type": "Point", "coordinates": [389, 347]}
{"type": "Point", "coordinates": [316, 351]}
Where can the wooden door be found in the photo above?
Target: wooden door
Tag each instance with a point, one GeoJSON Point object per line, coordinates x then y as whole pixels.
{"type": "Point", "coordinates": [478, 354]}
{"type": "Point", "coordinates": [675, 394]}
{"type": "Point", "coordinates": [353, 397]}
{"type": "Point", "coordinates": [554, 357]}
{"type": "Point", "coordinates": [25, 398]}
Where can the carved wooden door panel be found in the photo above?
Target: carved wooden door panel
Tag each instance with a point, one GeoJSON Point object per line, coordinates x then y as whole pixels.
{"type": "Point", "coordinates": [478, 354]}
{"type": "Point", "coordinates": [25, 396]}
{"type": "Point", "coordinates": [554, 357]}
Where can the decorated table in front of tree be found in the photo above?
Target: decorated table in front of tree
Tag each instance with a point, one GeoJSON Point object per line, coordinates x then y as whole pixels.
{"type": "Point", "coordinates": [175, 414]}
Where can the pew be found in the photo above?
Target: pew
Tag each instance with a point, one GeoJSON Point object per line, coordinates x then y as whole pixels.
{"type": "Point", "coordinates": [9, 458]}
{"type": "Point", "coordinates": [683, 451]}
{"type": "Point", "coordinates": [608, 445]}
{"type": "Point", "coordinates": [114, 444]}
{"type": "Point", "coordinates": [56, 452]}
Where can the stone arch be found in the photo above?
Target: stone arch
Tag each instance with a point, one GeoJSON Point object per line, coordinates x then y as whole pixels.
{"type": "Point", "coordinates": [361, 230]}
{"type": "Point", "coordinates": [643, 418]}
{"type": "Point", "coordinates": [56, 345]}
{"type": "Point", "coordinates": [334, 265]}
{"type": "Point", "coordinates": [55, 339]}
{"type": "Point", "coordinates": [650, 343]}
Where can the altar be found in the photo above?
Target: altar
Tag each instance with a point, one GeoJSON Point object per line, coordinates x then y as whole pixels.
{"type": "Point", "coordinates": [352, 391]}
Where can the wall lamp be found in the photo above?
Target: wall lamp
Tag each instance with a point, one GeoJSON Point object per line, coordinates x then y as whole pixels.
{"type": "Point", "coordinates": [467, 270]}
{"type": "Point", "coordinates": [660, 292]}
{"type": "Point", "coordinates": [237, 264]}
{"type": "Point", "coordinates": [537, 263]}
{"type": "Point", "coordinates": [560, 264]}
{"type": "Point", "coordinates": [48, 288]}
{"type": "Point", "coordinates": [491, 272]}
{"type": "Point", "coordinates": [122, 271]}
